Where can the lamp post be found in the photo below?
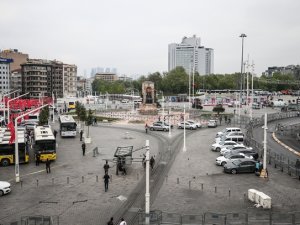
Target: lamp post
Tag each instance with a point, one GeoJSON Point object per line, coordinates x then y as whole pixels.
{"type": "Point", "coordinates": [17, 168]}
{"type": "Point", "coordinates": [52, 107]}
{"type": "Point", "coordinates": [147, 194]}
{"type": "Point", "coordinates": [242, 36]}
{"type": "Point", "coordinates": [170, 135]}
{"type": "Point", "coordinates": [252, 94]}
{"type": "Point", "coordinates": [8, 119]}
{"type": "Point", "coordinates": [264, 173]}
{"type": "Point", "coordinates": [163, 105]}
{"type": "Point", "coordinates": [184, 144]}
{"type": "Point", "coordinates": [5, 96]}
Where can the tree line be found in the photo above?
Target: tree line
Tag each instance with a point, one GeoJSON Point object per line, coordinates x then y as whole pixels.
{"type": "Point", "coordinates": [177, 82]}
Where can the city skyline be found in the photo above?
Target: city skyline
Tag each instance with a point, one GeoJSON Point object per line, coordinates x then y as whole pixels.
{"type": "Point", "coordinates": [133, 36]}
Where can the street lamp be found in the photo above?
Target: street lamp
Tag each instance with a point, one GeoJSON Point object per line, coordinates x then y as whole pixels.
{"type": "Point", "coordinates": [5, 96]}
{"type": "Point", "coordinates": [170, 135]}
{"type": "Point", "coordinates": [17, 169]}
{"type": "Point", "coordinates": [242, 36]}
{"type": "Point", "coordinates": [184, 134]}
{"type": "Point", "coordinates": [147, 194]}
{"type": "Point", "coordinates": [8, 119]}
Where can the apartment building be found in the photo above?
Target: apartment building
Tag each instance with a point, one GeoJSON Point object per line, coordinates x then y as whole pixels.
{"type": "Point", "coordinates": [5, 74]}
{"type": "Point", "coordinates": [190, 55]}
{"type": "Point", "coordinates": [17, 57]}
{"type": "Point", "coordinates": [16, 80]}
{"type": "Point", "coordinates": [45, 78]}
{"type": "Point", "coordinates": [106, 76]}
{"type": "Point", "coordinates": [70, 80]}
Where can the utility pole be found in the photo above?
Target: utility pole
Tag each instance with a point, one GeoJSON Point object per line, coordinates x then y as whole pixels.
{"type": "Point", "coordinates": [264, 173]}
{"type": "Point", "coordinates": [184, 134]}
{"type": "Point", "coordinates": [147, 194]}
{"type": "Point", "coordinates": [241, 85]}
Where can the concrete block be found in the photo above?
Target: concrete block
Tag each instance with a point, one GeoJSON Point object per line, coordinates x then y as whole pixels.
{"type": "Point", "coordinates": [251, 194]}
{"type": "Point", "coordinates": [265, 200]}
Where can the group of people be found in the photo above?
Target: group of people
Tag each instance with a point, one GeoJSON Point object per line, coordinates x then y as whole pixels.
{"type": "Point", "coordinates": [111, 221]}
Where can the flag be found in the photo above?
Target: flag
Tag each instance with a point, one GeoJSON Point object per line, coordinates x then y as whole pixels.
{"type": "Point", "coordinates": [11, 128]}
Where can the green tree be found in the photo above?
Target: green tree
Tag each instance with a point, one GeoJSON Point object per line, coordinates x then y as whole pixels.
{"type": "Point", "coordinates": [44, 116]}
{"type": "Point", "coordinates": [176, 81]}
{"type": "Point", "coordinates": [89, 121]}
{"type": "Point", "coordinates": [218, 109]}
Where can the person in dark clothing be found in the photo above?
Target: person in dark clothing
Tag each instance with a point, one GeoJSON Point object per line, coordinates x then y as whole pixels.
{"type": "Point", "coordinates": [152, 162]}
{"type": "Point", "coordinates": [146, 128]}
{"type": "Point", "coordinates": [48, 162]}
{"type": "Point", "coordinates": [106, 167]}
{"type": "Point", "coordinates": [37, 159]}
{"type": "Point", "coordinates": [106, 181]}
{"type": "Point", "coordinates": [111, 221]}
{"type": "Point", "coordinates": [297, 166]}
{"type": "Point", "coordinates": [95, 120]}
{"type": "Point", "coordinates": [83, 148]}
{"type": "Point", "coordinates": [81, 133]}
{"type": "Point", "coordinates": [55, 133]}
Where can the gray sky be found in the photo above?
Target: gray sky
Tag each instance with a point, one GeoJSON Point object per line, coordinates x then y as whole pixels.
{"type": "Point", "coordinates": [133, 35]}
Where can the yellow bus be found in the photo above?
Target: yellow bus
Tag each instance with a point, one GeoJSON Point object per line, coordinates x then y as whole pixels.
{"type": "Point", "coordinates": [44, 143]}
{"type": "Point", "coordinates": [7, 151]}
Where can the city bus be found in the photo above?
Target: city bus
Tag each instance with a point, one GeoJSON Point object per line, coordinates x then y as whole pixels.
{"type": "Point", "coordinates": [44, 143]}
{"type": "Point", "coordinates": [7, 151]}
{"type": "Point", "coordinates": [67, 126]}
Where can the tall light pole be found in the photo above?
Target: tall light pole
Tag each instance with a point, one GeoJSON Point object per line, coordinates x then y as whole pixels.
{"type": "Point", "coordinates": [184, 144]}
{"type": "Point", "coordinates": [8, 119]}
{"type": "Point", "coordinates": [190, 84]}
{"type": "Point", "coordinates": [17, 168]}
{"type": "Point", "coordinates": [252, 94]}
{"type": "Point", "coordinates": [147, 194]}
{"type": "Point", "coordinates": [242, 36]}
{"type": "Point", "coordinates": [170, 135]}
{"type": "Point", "coordinates": [3, 99]}
{"type": "Point", "coordinates": [264, 170]}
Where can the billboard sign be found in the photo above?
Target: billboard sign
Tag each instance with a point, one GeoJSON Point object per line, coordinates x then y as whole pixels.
{"type": "Point", "coordinates": [6, 60]}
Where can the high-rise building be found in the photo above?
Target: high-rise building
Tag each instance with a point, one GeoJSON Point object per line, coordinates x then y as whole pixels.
{"type": "Point", "coordinates": [18, 58]}
{"type": "Point", "coordinates": [191, 56]}
{"type": "Point", "coordinates": [5, 74]}
{"type": "Point", "coordinates": [16, 80]}
{"type": "Point", "coordinates": [106, 76]}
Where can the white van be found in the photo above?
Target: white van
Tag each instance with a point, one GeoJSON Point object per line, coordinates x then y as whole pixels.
{"type": "Point", "coordinates": [237, 139]}
{"type": "Point", "coordinates": [228, 130]}
{"type": "Point", "coordinates": [230, 134]}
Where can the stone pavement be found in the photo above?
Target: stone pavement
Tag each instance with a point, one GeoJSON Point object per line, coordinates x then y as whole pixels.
{"type": "Point", "coordinates": [195, 185]}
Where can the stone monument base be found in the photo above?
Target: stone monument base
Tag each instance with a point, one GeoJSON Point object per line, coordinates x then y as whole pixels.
{"type": "Point", "coordinates": [148, 109]}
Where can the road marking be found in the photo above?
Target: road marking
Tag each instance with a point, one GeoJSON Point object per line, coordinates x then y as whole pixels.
{"type": "Point", "coordinates": [284, 145]}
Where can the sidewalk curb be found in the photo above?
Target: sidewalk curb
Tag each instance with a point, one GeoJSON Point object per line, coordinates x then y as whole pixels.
{"type": "Point", "coordinates": [284, 145]}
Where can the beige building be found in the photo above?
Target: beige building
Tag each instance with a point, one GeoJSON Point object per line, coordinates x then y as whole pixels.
{"type": "Point", "coordinates": [106, 76]}
{"type": "Point", "coordinates": [16, 80]}
{"type": "Point", "coordinates": [70, 80]}
{"type": "Point", "coordinates": [18, 58]}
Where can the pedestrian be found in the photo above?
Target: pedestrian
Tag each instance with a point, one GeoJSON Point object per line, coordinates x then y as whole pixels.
{"type": "Point", "coordinates": [48, 162]}
{"type": "Point", "coordinates": [152, 162]}
{"type": "Point", "coordinates": [298, 113]}
{"type": "Point", "coordinates": [106, 180]}
{"type": "Point", "coordinates": [146, 128]}
{"type": "Point", "coordinates": [83, 148]}
{"type": "Point", "coordinates": [297, 166]}
{"type": "Point", "coordinates": [55, 133]}
{"type": "Point", "coordinates": [234, 111]}
{"type": "Point", "coordinates": [257, 166]}
{"type": "Point", "coordinates": [37, 159]}
{"type": "Point", "coordinates": [225, 118]}
{"type": "Point", "coordinates": [220, 120]}
{"type": "Point", "coordinates": [111, 221]}
{"type": "Point", "coordinates": [106, 167]}
{"type": "Point", "coordinates": [81, 133]}
{"type": "Point", "coordinates": [95, 120]}
{"type": "Point", "coordinates": [123, 222]}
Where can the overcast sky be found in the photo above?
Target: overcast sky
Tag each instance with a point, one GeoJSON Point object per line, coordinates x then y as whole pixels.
{"type": "Point", "coordinates": [133, 35]}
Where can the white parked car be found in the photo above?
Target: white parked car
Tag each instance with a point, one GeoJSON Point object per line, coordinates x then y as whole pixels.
{"type": "Point", "coordinates": [212, 123]}
{"type": "Point", "coordinates": [198, 125]}
{"type": "Point", "coordinates": [231, 134]}
{"type": "Point", "coordinates": [4, 188]}
{"type": "Point", "coordinates": [217, 146]}
{"type": "Point", "coordinates": [222, 160]}
{"type": "Point", "coordinates": [228, 149]}
{"type": "Point", "coordinates": [228, 130]}
{"type": "Point", "coordinates": [187, 126]}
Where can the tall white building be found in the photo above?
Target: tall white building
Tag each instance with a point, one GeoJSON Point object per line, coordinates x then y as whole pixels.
{"type": "Point", "coordinates": [5, 74]}
{"type": "Point", "coordinates": [191, 56]}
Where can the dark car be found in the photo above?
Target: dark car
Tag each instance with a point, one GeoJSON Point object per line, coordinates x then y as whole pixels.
{"type": "Point", "coordinates": [240, 166]}
{"type": "Point", "coordinates": [159, 126]}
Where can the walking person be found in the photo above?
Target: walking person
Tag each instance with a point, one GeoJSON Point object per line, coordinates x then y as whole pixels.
{"type": "Point", "coordinates": [111, 221]}
{"type": "Point", "coordinates": [55, 133]}
{"type": "Point", "coordinates": [106, 167]}
{"type": "Point", "coordinates": [152, 162]}
{"type": "Point", "coordinates": [37, 159]}
{"type": "Point", "coordinates": [81, 133]}
{"type": "Point", "coordinates": [106, 178]}
{"type": "Point", "coordinates": [123, 222]}
{"type": "Point", "coordinates": [48, 169]}
{"type": "Point", "coordinates": [83, 148]}
{"type": "Point", "coordinates": [297, 166]}
{"type": "Point", "coordinates": [146, 128]}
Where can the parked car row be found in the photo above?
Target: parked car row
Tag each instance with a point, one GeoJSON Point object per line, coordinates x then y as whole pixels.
{"type": "Point", "coordinates": [234, 157]}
